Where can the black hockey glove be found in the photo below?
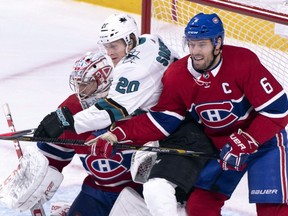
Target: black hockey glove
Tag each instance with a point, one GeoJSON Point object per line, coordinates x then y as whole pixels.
{"type": "Point", "coordinates": [54, 124]}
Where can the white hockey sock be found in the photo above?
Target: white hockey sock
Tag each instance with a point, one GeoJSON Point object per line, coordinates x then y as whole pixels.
{"type": "Point", "coordinates": [159, 195]}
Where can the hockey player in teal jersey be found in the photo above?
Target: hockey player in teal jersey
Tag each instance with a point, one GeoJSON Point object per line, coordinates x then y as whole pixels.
{"type": "Point", "coordinates": [139, 61]}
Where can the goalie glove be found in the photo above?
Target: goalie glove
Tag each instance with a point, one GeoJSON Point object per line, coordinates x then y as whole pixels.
{"type": "Point", "coordinates": [54, 124]}
{"type": "Point", "coordinates": [34, 181]}
{"type": "Point", "coordinates": [235, 153]}
{"type": "Point", "coordinates": [142, 163]}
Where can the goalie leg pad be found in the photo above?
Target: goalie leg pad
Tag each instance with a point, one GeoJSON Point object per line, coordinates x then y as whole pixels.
{"type": "Point", "coordinates": [45, 190]}
{"type": "Point", "coordinates": [128, 203]}
{"type": "Point", "coordinates": [59, 209]}
{"type": "Point", "coordinates": [26, 178]}
{"type": "Point", "coordinates": [30, 182]}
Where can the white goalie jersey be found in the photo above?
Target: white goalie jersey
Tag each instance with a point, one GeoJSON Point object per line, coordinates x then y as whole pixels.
{"type": "Point", "coordinates": [136, 85]}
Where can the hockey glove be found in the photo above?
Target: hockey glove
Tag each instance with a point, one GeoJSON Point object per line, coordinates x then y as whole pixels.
{"type": "Point", "coordinates": [234, 154]}
{"type": "Point", "coordinates": [102, 145]}
{"type": "Point", "coordinates": [54, 124]}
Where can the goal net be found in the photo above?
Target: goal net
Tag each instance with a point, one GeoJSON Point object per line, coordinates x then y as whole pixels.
{"type": "Point", "coordinates": [260, 25]}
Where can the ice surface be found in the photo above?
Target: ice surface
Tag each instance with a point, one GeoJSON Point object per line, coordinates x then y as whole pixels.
{"type": "Point", "coordinates": [39, 42]}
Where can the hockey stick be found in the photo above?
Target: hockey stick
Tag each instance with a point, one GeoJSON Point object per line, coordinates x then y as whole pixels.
{"type": "Point", "coordinates": [15, 135]}
{"type": "Point", "coordinates": [20, 137]}
{"type": "Point", "coordinates": [174, 151]}
{"type": "Point", "coordinates": [37, 209]}
{"type": "Point", "coordinates": [11, 126]}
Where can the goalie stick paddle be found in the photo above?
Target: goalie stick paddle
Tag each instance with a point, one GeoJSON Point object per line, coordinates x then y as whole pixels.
{"type": "Point", "coordinates": [37, 209]}
{"type": "Point", "coordinates": [20, 136]}
{"type": "Point", "coordinates": [10, 123]}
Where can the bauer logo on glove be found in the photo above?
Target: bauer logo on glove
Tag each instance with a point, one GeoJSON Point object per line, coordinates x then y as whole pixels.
{"type": "Point", "coordinates": [236, 152]}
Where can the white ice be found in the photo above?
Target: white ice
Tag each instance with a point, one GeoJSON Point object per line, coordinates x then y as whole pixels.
{"type": "Point", "coordinates": [39, 42]}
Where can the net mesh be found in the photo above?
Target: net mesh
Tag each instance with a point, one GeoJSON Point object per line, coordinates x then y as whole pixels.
{"type": "Point", "coordinates": [169, 18]}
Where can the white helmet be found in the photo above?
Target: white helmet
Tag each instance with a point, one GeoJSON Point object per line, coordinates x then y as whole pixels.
{"type": "Point", "coordinates": [92, 67]}
{"type": "Point", "coordinates": [118, 26]}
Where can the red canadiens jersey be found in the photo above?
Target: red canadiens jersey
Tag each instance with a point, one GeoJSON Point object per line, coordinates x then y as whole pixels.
{"type": "Point", "coordinates": [239, 93]}
{"type": "Point", "coordinates": [106, 174]}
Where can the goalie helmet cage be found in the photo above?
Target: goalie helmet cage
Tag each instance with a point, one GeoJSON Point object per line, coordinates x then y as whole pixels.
{"type": "Point", "coordinates": [259, 25]}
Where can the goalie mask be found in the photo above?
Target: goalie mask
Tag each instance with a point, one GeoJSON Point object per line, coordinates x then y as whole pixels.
{"type": "Point", "coordinates": [119, 26]}
{"type": "Point", "coordinates": [91, 77]}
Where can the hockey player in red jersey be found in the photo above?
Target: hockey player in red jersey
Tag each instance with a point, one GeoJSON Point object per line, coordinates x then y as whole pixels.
{"type": "Point", "coordinates": [91, 80]}
{"type": "Point", "coordinates": [243, 110]}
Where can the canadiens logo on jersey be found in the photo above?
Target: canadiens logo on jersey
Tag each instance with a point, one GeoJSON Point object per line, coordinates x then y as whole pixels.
{"type": "Point", "coordinates": [216, 115]}
{"type": "Point", "coordinates": [107, 169]}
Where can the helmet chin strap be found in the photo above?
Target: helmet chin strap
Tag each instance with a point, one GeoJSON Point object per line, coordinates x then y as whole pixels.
{"type": "Point", "coordinates": [210, 65]}
{"type": "Point", "coordinates": [127, 49]}
{"type": "Point", "coordinates": [128, 41]}
{"type": "Point", "coordinates": [133, 42]}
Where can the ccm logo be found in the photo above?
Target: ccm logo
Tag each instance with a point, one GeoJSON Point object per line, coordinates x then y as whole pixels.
{"type": "Point", "coordinates": [48, 189]}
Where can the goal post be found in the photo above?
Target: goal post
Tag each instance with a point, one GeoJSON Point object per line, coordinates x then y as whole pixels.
{"type": "Point", "coordinates": [260, 25]}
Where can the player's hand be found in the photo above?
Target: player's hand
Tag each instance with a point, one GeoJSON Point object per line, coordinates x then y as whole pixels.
{"type": "Point", "coordinates": [234, 154]}
{"type": "Point", "coordinates": [102, 145]}
{"type": "Point", "coordinates": [54, 124]}
{"type": "Point", "coordinates": [102, 148]}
